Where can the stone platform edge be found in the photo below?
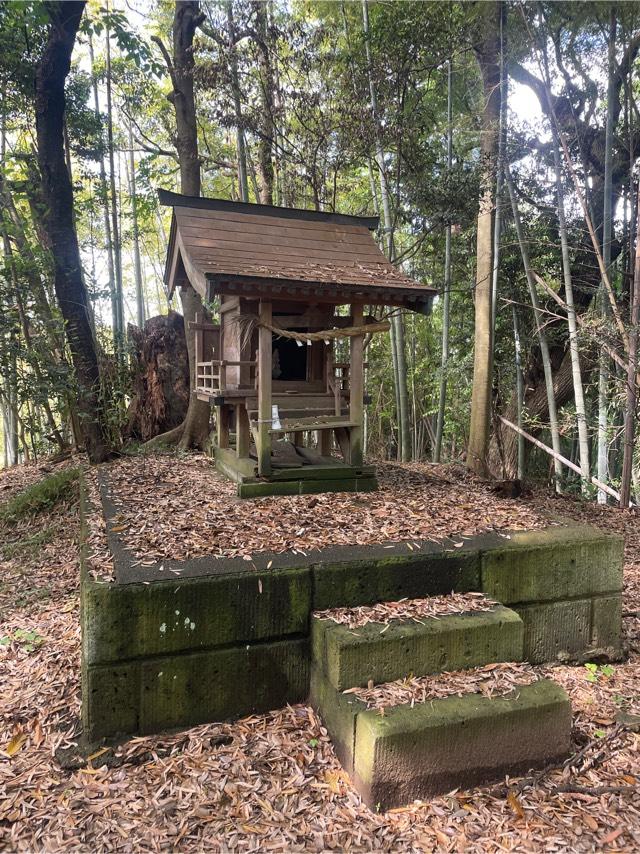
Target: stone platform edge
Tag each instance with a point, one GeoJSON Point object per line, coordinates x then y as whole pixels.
{"type": "Point", "coordinates": [423, 750]}
{"type": "Point", "coordinates": [234, 619]}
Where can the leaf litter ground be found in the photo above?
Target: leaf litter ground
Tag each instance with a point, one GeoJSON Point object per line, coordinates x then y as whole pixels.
{"type": "Point", "coordinates": [408, 610]}
{"type": "Point", "coordinates": [271, 782]}
{"type": "Point", "coordinates": [181, 508]}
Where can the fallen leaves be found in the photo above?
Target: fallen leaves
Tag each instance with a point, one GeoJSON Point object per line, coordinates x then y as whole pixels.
{"type": "Point", "coordinates": [206, 788]}
{"type": "Point", "coordinates": [407, 610]}
{"type": "Point", "coordinates": [514, 803]}
{"type": "Point", "coordinates": [181, 508]}
{"type": "Point", "coordinates": [494, 680]}
{"type": "Point", "coordinates": [16, 744]}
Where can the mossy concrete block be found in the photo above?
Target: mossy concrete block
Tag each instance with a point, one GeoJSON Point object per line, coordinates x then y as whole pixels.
{"type": "Point", "coordinates": [553, 564]}
{"type": "Point", "coordinates": [261, 489]}
{"type": "Point", "coordinates": [137, 620]}
{"type": "Point", "coordinates": [556, 631]}
{"type": "Point", "coordinates": [606, 628]}
{"type": "Point", "coordinates": [110, 700]}
{"type": "Point", "coordinates": [434, 747]}
{"type": "Point", "coordinates": [365, 582]}
{"type": "Point", "coordinates": [150, 695]}
{"type": "Point", "coordinates": [338, 712]}
{"type": "Point", "coordinates": [222, 684]}
{"type": "Point", "coordinates": [378, 653]}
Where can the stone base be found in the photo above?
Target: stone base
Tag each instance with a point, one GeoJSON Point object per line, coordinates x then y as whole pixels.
{"type": "Point", "coordinates": [163, 692]}
{"type": "Point", "coordinates": [353, 657]}
{"type": "Point", "coordinates": [415, 753]}
{"type": "Point", "coordinates": [233, 635]}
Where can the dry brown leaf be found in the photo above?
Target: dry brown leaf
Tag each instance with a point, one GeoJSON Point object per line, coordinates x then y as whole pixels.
{"type": "Point", "coordinates": [15, 744]}
{"type": "Point", "coordinates": [515, 804]}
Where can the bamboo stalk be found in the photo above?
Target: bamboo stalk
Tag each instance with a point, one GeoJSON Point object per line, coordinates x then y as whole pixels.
{"type": "Point", "coordinates": [542, 339]}
{"type": "Point", "coordinates": [594, 480]}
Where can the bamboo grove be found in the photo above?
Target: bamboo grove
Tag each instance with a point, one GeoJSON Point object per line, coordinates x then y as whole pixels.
{"type": "Point", "coordinates": [497, 142]}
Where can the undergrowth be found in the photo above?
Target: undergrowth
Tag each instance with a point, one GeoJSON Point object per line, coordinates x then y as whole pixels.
{"type": "Point", "coordinates": [39, 496]}
{"type": "Point", "coordinates": [27, 545]}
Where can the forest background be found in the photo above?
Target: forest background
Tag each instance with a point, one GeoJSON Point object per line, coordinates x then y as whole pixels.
{"type": "Point", "coordinates": [496, 141]}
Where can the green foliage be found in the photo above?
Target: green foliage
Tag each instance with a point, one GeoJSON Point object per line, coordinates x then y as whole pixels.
{"type": "Point", "coordinates": [40, 496]}
{"type": "Point", "coordinates": [597, 671]}
{"type": "Point", "coordinates": [27, 639]}
{"type": "Point", "coordinates": [323, 155]}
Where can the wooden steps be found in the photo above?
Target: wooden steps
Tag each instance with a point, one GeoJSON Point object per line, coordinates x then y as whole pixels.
{"type": "Point", "coordinates": [294, 475]}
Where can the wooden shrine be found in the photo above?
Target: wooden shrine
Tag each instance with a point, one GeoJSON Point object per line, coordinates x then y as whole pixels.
{"type": "Point", "coordinates": [284, 367]}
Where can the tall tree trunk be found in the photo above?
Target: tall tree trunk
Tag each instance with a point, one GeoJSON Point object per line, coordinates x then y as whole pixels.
{"type": "Point", "coordinates": [574, 350]}
{"type": "Point", "coordinates": [266, 128]}
{"type": "Point", "coordinates": [631, 395]}
{"type": "Point", "coordinates": [519, 390]}
{"type": "Point", "coordinates": [237, 105]}
{"type": "Point", "coordinates": [104, 203]}
{"type": "Point", "coordinates": [607, 228]}
{"type": "Point", "coordinates": [446, 297]}
{"type": "Point", "coordinates": [502, 144]}
{"type": "Point", "coordinates": [486, 48]}
{"type": "Point", "coordinates": [57, 193]}
{"type": "Point", "coordinates": [137, 264]}
{"type": "Point", "coordinates": [186, 19]}
{"type": "Point", "coordinates": [397, 323]}
{"type": "Point", "coordinates": [115, 226]}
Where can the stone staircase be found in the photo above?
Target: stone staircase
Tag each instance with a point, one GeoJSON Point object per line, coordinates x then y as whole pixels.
{"type": "Point", "coordinates": [395, 730]}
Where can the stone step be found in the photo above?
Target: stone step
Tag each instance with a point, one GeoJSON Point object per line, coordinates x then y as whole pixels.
{"type": "Point", "coordinates": [351, 657]}
{"type": "Point", "coordinates": [418, 750]}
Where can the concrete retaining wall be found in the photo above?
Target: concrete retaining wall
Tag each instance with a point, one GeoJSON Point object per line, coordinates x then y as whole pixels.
{"type": "Point", "coordinates": [565, 583]}
{"type": "Point", "coordinates": [185, 650]}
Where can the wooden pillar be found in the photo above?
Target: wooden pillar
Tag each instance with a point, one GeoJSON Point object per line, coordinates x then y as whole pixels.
{"type": "Point", "coordinates": [242, 431]}
{"type": "Point", "coordinates": [264, 391]}
{"type": "Point", "coordinates": [356, 388]}
{"type": "Point", "coordinates": [324, 442]}
{"type": "Point", "coordinates": [223, 426]}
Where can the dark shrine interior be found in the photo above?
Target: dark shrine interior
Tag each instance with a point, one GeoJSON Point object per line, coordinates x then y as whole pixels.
{"type": "Point", "coordinates": [289, 360]}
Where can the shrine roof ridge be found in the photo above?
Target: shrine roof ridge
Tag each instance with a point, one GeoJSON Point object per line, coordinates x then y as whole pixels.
{"type": "Point", "coordinates": [171, 199]}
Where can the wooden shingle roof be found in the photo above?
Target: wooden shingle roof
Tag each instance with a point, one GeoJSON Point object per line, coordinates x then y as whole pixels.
{"type": "Point", "coordinates": [237, 246]}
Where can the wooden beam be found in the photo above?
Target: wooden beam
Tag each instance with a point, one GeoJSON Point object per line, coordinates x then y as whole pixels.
{"type": "Point", "coordinates": [264, 390]}
{"type": "Point", "coordinates": [356, 389]}
{"type": "Point", "coordinates": [324, 442]}
{"type": "Point", "coordinates": [342, 438]}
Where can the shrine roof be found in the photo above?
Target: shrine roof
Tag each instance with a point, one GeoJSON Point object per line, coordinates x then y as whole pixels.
{"type": "Point", "coordinates": [247, 248]}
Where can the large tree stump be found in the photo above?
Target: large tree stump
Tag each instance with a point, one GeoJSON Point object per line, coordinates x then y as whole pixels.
{"type": "Point", "coordinates": [160, 376]}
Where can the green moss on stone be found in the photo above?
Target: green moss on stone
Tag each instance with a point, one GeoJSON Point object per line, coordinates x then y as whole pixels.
{"type": "Point", "coordinates": [338, 712]}
{"type": "Point", "coordinates": [365, 582]}
{"type": "Point", "coordinates": [138, 620]}
{"type": "Point", "coordinates": [353, 657]}
{"type": "Point", "coordinates": [556, 631]}
{"type": "Point", "coordinates": [606, 627]}
{"type": "Point", "coordinates": [110, 700]}
{"type": "Point", "coordinates": [553, 564]}
{"type": "Point", "coordinates": [222, 684]}
{"type": "Point", "coordinates": [458, 741]}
